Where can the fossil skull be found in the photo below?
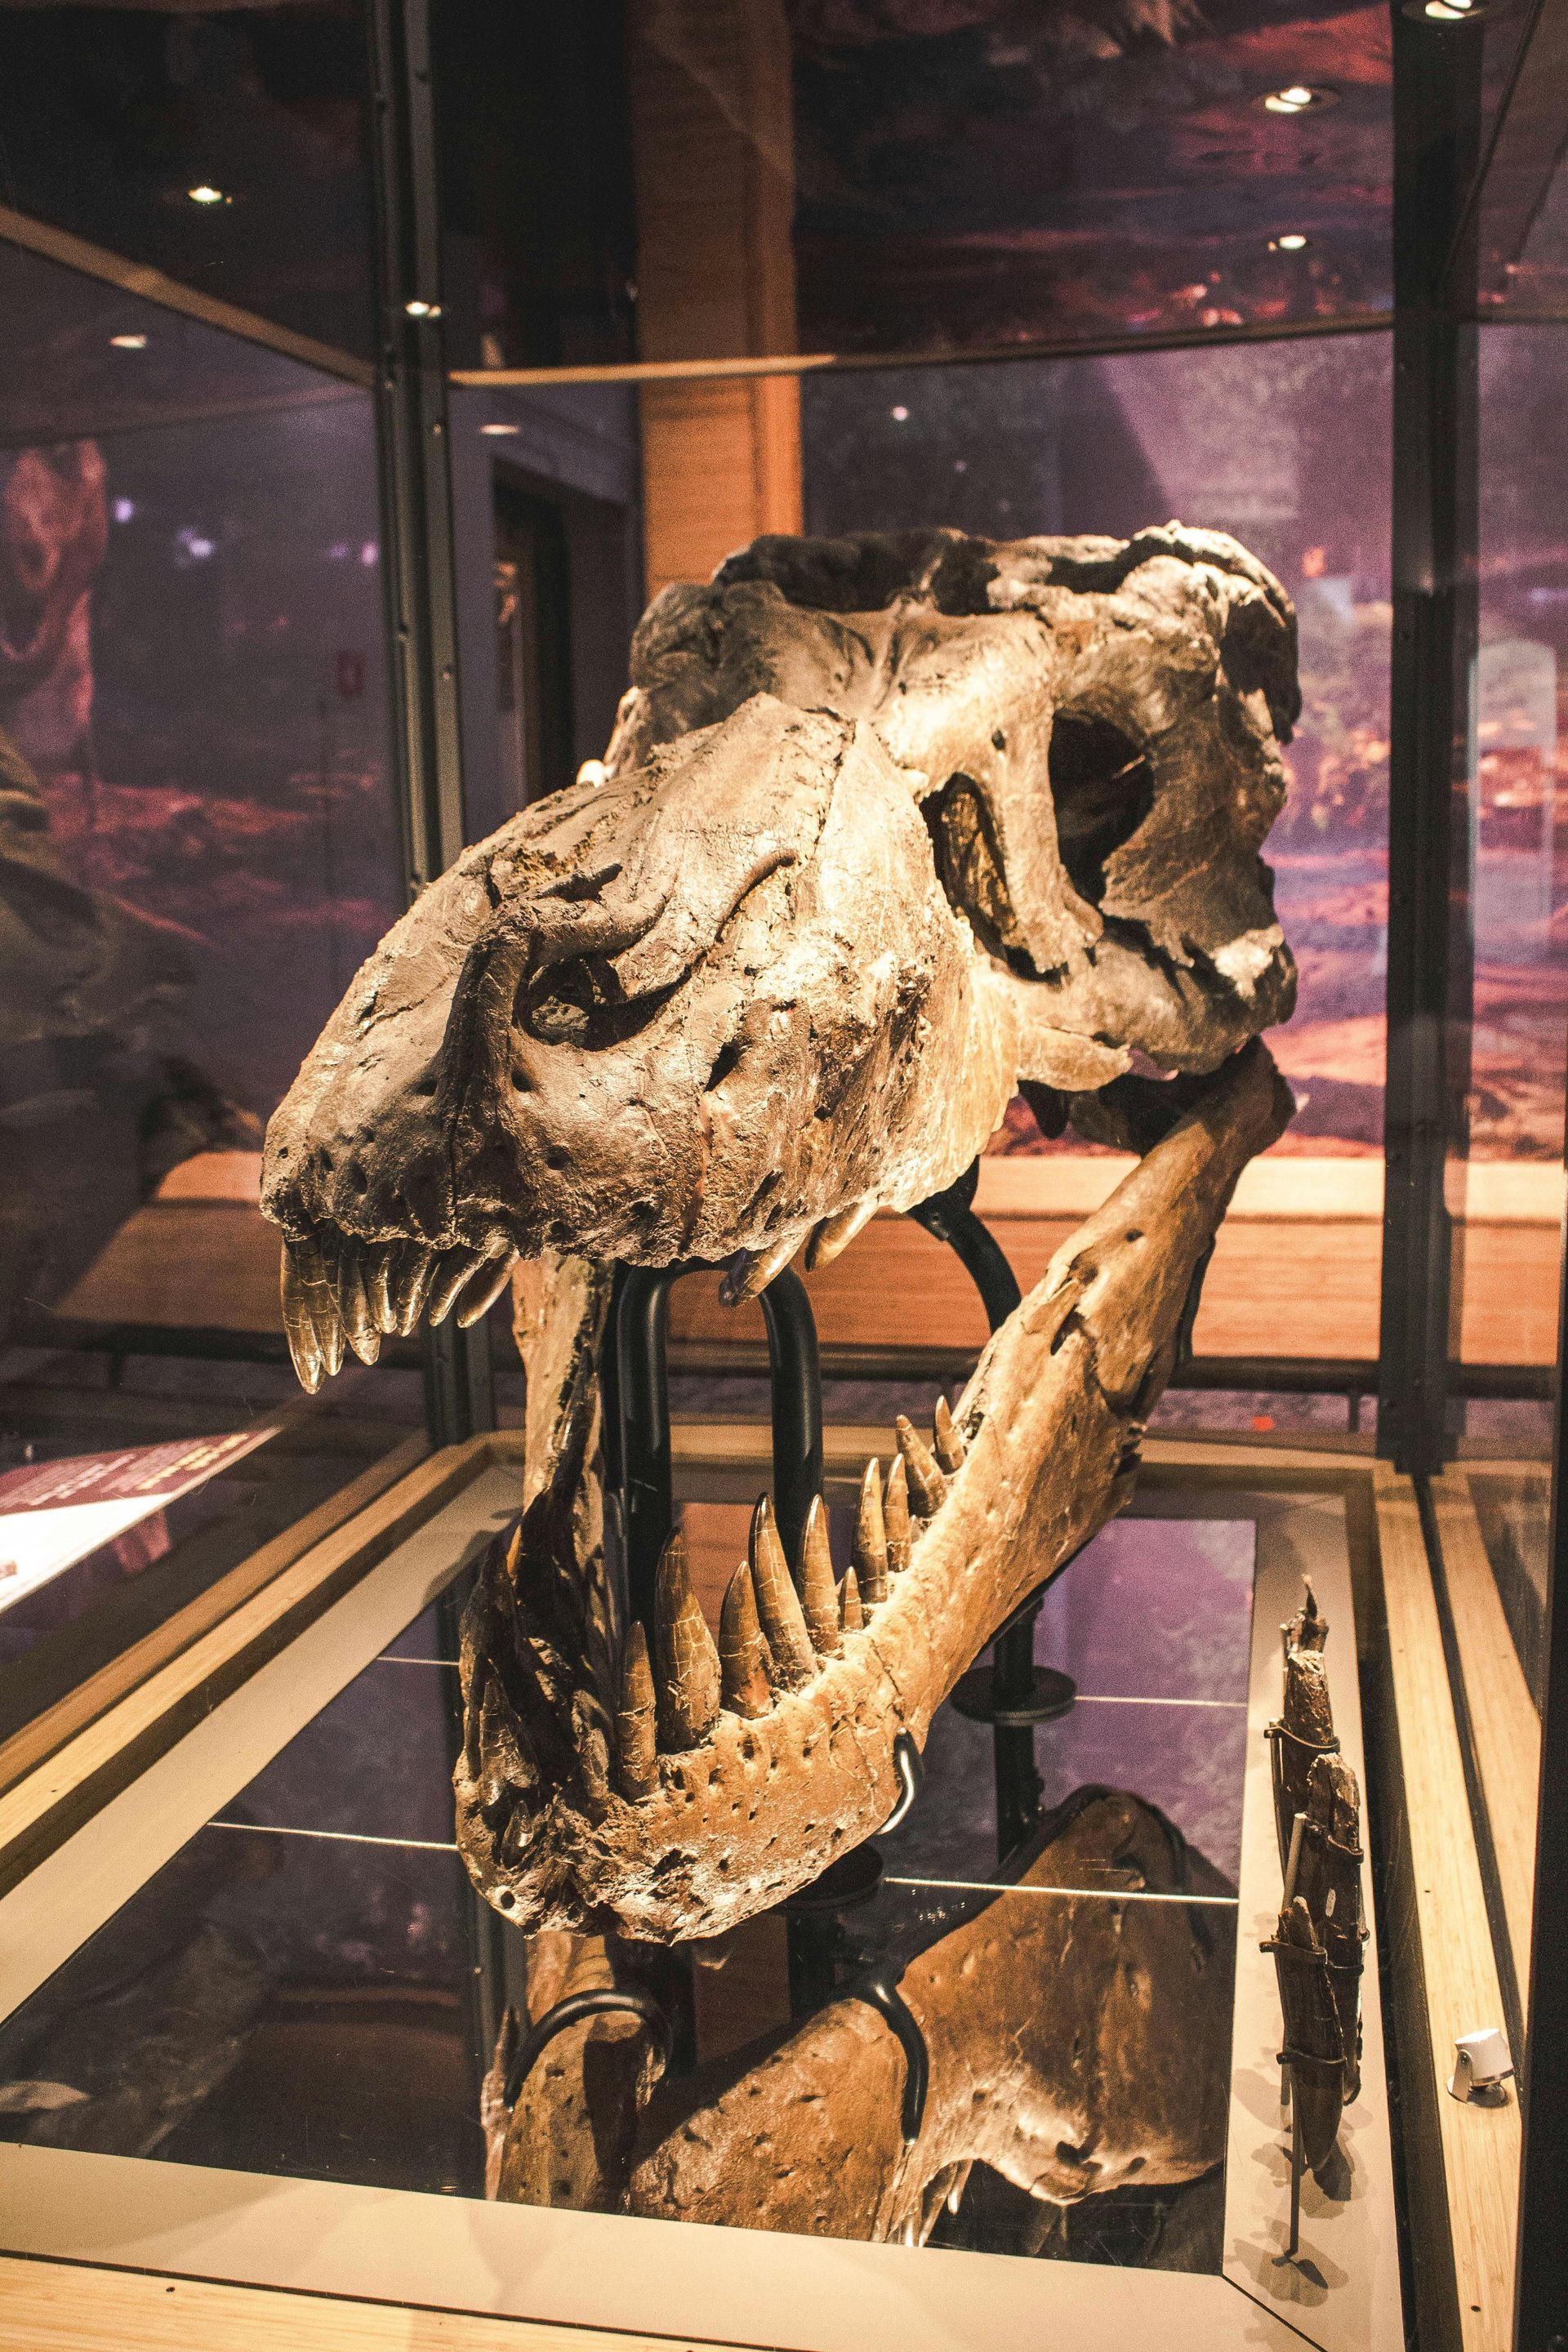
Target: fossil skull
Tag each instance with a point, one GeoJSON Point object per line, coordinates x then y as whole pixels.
{"type": "Point", "coordinates": [887, 825]}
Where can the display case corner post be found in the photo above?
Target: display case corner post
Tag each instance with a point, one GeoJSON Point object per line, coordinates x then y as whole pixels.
{"type": "Point", "coordinates": [418, 561]}
{"type": "Point", "coordinates": [1436, 123]}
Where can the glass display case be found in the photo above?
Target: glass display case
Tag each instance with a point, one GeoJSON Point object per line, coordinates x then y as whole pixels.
{"type": "Point", "coordinates": [815, 744]}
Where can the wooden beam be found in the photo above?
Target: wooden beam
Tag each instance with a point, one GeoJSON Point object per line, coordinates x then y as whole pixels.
{"type": "Point", "coordinates": [1505, 1728]}
{"type": "Point", "coordinates": [1462, 2158]}
{"type": "Point", "coordinates": [76, 2307]}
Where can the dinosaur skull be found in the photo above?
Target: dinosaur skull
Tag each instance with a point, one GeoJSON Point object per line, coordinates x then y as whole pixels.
{"type": "Point", "coordinates": [887, 825]}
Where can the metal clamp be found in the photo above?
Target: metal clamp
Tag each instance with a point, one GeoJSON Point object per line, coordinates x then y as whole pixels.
{"type": "Point", "coordinates": [879, 1991]}
{"type": "Point", "coordinates": [908, 1766]}
{"type": "Point", "coordinates": [605, 2002]}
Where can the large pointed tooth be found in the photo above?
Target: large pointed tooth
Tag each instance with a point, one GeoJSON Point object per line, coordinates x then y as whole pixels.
{"type": "Point", "coordinates": [490, 1279]}
{"type": "Point", "coordinates": [869, 1549]}
{"type": "Point", "coordinates": [820, 1597]}
{"type": "Point", "coordinates": [751, 1271]}
{"type": "Point", "coordinates": [896, 1517]}
{"type": "Point", "coordinates": [637, 1745]}
{"type": "Point", "coordinates": [299, 1328]}
{"type": "Point", "coordinates": [836, 1233]}
{"type": "Point", "coordinates": [318, 1296]}
{"type": "Point", "coordinates": [928, 1488]}
{"type": "Point", "coordinates": [354, 1304]}
{"type": "Point", "coordinates": [743, 1652]}
{"type": "Point", "coordinates": [453, 1269]}
{"type": "Point", "coordinates": [381, 1265]}
{"type": "Point", "coordinates": [851, 1616]}
{"type": "Point", "coordinates": [778, 1605]}
{"type": "Point", "coordinates": [685, 1662]}
{"type": "Point", "coordinates": [411, 1285]}
{"type": "Point", "coordinates": [949, 1446]}
{"type": "Point", "coordinates": [593, 1748]}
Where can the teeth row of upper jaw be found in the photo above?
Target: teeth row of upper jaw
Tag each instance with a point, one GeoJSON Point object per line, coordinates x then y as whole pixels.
{"type": "Point", "coordinates": [775, 1629]}
{"type": "Point", "coordinates": [340, 1291]}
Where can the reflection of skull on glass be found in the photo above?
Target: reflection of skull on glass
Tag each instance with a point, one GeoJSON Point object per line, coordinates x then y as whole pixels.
{"type": "Point", "coordinates": [887, 827]}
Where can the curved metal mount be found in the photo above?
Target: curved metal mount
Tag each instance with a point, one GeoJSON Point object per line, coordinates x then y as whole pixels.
{"type": "Point", "coordinates": [911, 1770]}
{"type": "Point", "coordinates": [879, 1991]}
{"type": "Point", "coordinates": [950, 1216]}
{"type": "Point", "coordinates": [604, 2002]}
{"type": "Point", "coordinates": [641, 1452]}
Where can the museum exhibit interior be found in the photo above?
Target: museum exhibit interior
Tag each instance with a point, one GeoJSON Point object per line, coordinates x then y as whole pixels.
{"type": "Point", "coordinates": [783, 1047]}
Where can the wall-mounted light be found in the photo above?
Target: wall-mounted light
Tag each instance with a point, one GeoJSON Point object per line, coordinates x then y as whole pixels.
{"type": "Point", "coordinates": [1299, 97]}
{"type": "Point", "coordinates": [129, 342]}
{"type": "Point", "coordinates": [1292, 242]}
{"type": "Point", "coordinates": [497, 431]}
{"type": "Point", "coordinates": [206, 194]}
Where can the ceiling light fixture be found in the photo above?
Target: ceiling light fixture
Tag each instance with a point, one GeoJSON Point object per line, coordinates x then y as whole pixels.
{"type": "Point", "coordinates": [206, 194]}
{"type": "Point", "coordinates": [1292, 242]}
{"type": "Point", "coordinates": [423, 310]}
{"type": "Point", "coordinates": [129, 342]}
{"type": "Point", "coordinates": [1299, 97]}
{"type": "Point", "coordinates": [1446, 12]}
{"type": "Point", "coordinates": [498, 430]}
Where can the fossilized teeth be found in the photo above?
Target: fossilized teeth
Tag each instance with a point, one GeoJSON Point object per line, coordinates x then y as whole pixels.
{"type": "Point", "coordinates": [359, 1325]}
{"type": "Point", "coordinates": [637, 1745]}
{"type": "Point", "coordinates": [928, 1488]}
{"type": "Point", "coordinates": [751, 1271]}
{"type": "Point", "coordinates": [947, 1438]}
{"type": "Point", "coordinates": [318, 1304]}
{"type": "Point", "coordinates": [743, 1652]}
{"type": "Point", "coordinates": [304, 1349]}
{"type": "Point", "coordinates": [896, 1519]}
{"type": "Point", "coordinates": [411, 1285]}
{"type": "Point", "coordinates": [820, 1597]}
{"type": "Point", "coordinates": [593, 1749]}
{"type": "Point", "coordinates": [383, 1260]}
{"type": "Point", "coordinates": [485, 1288]}
{"type": "Point", "coordinates": [453, 1268]}
{"type": "Point", "coordinates": [686, 1660]}
{"type": "Point", "coordinates": [778, 1605]}
{"type": "Point", "coordinates": [851, 1616]}
{"type": "Point", "coordinates": [836, 1233]}
{"type": "Point", "coordinates": [869, 1550]}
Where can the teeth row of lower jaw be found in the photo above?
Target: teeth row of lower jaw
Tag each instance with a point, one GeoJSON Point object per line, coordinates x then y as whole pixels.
{"type": "Point", "coordinates": [340, 1291]}
{"type": "Point", "coordinates": [776, 1630]}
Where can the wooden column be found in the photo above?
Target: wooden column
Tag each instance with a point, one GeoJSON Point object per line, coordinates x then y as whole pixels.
{"type": "Point", "coordinates": [712, 142]}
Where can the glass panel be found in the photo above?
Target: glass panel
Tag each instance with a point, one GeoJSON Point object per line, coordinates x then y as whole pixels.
{"type": "Point", "coordinates": [730, 180]}
{"type": "Point", "coordinates": [198, 844]}
{"type": "Point", "coordinates": [224, 149]}
{"type": "Point", "coordinates": [307, 1988]}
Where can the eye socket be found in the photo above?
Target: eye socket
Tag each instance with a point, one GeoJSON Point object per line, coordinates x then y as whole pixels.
{"type": "Point", "coordinates": [579, 1001]}
{"type": "Point", "coordinates": [1103, 788]}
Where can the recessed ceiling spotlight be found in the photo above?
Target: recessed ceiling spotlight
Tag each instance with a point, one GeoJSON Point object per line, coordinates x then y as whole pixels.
{"type": "Point", "coordinates": [129, 342]}
{"type": "Point", "coordinates": [206, 194]}
{"type": "Point", "coordinates": [1292, 242]}
{"type": "Point", "coordinates": [498, 430]}
{"type": "Point", "coordinates": [900, 415]}
{"type": "Point", "coordinates": [1299, 97]}
{"type": "Point", "coordinates": [1446, 12]}
{"type": "Point", "coordinates": [423, 310]}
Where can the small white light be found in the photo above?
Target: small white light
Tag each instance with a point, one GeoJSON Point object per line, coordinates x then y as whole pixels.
{"type": "Point", "coordinates": [1293, 242]}
{"type": "Point", "coordinates": [370, 554]}
{"type": "Point", "coordinates": [423, 310]}
{"type": "Point", "coordinates": [124, 509]}
{"type": "Point", "coordinates": [207, 194]}
{"type": "Point", "coordinates": [496, 431]}
{"type": "Point", "coordinates": [899, 415]}
{"type": "Point", "coordinates": [129, 342]}
{"type": "Point", "coordinates": [1300, 98]}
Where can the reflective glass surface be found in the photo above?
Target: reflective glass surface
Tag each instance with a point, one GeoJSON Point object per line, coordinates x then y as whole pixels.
{"type": "Point", "coordinates": [309, 1987]}
{"type": "Point", "coordinates": [225, 149]}
{"type": "Point", "coordinates": [198, 844]}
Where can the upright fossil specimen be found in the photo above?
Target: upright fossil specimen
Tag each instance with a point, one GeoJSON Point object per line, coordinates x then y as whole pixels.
{"type": "Point", "coordinates": [887, 827]}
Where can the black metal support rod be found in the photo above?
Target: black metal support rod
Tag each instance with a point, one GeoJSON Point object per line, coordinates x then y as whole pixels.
{"type": "Point", "coordinates": [1436, 87]}
{"type": "Point", "coordinates": [417, 569]}
{"type": "Point", "coordinates": [639, 1337]}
